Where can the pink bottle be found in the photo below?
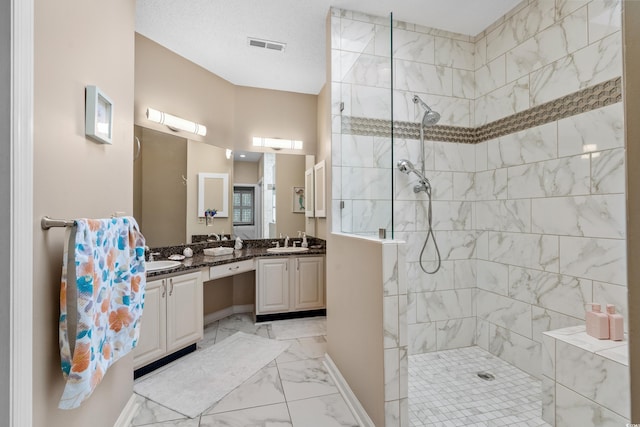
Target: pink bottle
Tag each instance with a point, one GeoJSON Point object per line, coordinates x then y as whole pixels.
{"type": "Point", "coordinates": [597, 322]}
{"type": "Point", "coordinates": [616, 324]}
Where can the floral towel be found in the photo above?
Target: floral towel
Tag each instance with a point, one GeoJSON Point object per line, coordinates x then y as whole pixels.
{"type": "Point", "coordinates": [101, 300]}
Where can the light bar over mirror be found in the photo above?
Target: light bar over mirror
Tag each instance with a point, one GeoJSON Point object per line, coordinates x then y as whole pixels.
{"type": "Point", "coordinates": [176, 123]}
{"type": "Point", "coordinates": [277, 143]}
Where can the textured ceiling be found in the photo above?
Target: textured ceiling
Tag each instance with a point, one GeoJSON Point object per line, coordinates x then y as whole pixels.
{"type": "Point", "coordinates": [213, 33]}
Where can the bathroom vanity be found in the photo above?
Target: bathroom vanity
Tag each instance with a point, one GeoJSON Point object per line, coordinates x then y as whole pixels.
{"type": "Point", "coordinates": [286, 285]}
{"type": "Point", "coordinates": [289, 284]}
{"type": "Point", "coordinates": [172, 317]}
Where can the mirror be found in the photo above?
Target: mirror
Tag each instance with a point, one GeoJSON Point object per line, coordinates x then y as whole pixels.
{"type": "Point", "coordinates": [165, 186]}
{"type": "Point", "coordinates": [276, 185]}
{"type": "Point", "coordinates": [213, 194]}
{"type": "Point", "coordinates": [166, 182]}
{"type": "Point", "coordinates": [319, 193]}
{"type": "Point", "coordinates": [310, 189]}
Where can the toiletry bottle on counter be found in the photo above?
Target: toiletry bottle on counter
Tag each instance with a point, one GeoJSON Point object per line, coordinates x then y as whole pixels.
{"type": "Point", "coordinates": [304, 244]}
{"type": "Point", "coordinates": [597, 322]}
{"type": "Point", "coordinates": [616, 324]}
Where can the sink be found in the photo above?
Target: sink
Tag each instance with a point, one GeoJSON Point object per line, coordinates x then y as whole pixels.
{"type": "Point", "coordinates": [218, 251]}
{"type": "Point", "coordinates": [288, 250]}
{"type": "Point", "coordinates": [161, 265]}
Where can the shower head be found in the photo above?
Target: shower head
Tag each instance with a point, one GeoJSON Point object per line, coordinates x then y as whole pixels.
{"type": "Point", "coordinates": [430, 117]}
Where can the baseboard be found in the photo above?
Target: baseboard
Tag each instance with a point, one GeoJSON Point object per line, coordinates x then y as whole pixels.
{"type": "Point", "coordinates": [128, 412]}
{"type": "Point", "coordinates": [226, 312]}
{"type": "Point", "coordinates": [361, 416]}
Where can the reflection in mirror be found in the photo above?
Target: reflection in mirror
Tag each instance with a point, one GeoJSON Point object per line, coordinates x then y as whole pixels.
{"type": "Point", "coordinates": [319, 190]}
{"type": "Point", "coordinates": [213, 194]}
{"type": "Point", "coordinates": [160, 189]}
{"type": "Point", "coordinates": [267, 180]}
{"type": "Point", "coordinates": [310, 193]}
{"type": "Point", "coordinates": [166, 187]}
{"type": "Point", "coordinates": [166, 204]}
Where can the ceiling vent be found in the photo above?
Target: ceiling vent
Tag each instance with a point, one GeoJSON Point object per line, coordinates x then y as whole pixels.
{"type": "Point", "coordinates": [266, 44]}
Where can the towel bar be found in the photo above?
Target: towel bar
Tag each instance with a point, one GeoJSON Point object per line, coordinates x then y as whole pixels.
{"type": "Point", "coordinates": [46, 223]}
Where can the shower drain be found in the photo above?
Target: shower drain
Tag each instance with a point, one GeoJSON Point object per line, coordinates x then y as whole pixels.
{"type": "Point", "coordinates": [486, 376]}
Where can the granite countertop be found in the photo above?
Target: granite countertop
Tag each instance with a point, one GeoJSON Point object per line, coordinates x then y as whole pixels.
{"type": "Point", "coordinates": [200, 260]}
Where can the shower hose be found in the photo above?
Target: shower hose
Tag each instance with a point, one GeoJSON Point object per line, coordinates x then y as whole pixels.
{"type": "Point", "coordinates": [430, 235]}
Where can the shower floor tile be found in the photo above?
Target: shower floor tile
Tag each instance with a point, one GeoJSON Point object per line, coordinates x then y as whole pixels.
{"type": "Point", "coordinates": [444, 389]}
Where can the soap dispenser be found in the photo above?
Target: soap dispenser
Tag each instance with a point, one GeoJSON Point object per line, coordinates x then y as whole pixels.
{"type": "Point", "coordinates": [238, 244]}
{"type": "Point", "coordinates": [616, 324]}
{"type": "Point", "coordinates": [304, 244]}
{"type": "Point", "coordinates": [597, 322]}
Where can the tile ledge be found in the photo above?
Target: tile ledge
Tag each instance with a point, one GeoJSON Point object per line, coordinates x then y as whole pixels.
{"type": "Point", "coordinates": [577, 336]}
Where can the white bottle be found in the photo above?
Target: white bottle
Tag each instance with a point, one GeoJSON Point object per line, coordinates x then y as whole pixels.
{"type": "Point", "coordinates": [238, 244]}
{"type": "Point", "coordinates": [304, 241]}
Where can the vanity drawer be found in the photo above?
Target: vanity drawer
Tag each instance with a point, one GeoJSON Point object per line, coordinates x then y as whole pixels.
{"type": "Point", "coordinates": [224, 270]}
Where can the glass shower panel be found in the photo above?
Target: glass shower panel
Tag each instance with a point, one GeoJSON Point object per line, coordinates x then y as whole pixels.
{"type": "Point", "coordinates": [361, 88]}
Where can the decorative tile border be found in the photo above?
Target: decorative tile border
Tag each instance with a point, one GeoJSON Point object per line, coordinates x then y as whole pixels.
{"type": "Point", "coordinates": [591, 98]}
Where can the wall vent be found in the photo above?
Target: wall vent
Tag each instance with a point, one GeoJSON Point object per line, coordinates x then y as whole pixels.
{"type": "Point", "coordinates": [266, 44]}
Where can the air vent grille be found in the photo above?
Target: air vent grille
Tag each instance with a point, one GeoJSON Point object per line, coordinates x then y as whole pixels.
{"type": "Point", "coordinates": [266, 44]}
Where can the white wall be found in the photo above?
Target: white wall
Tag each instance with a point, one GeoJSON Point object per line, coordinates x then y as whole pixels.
{"type": "Point", "coordinates": [5, 207]}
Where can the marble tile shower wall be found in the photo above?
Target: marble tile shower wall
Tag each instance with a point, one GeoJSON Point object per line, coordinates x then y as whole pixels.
{"type": "Point", "coordinates": [549, 201]}
{"type": "Point", "coordinates": [530, 225]}
{"type": "Point", "coordinates": [436, 65]}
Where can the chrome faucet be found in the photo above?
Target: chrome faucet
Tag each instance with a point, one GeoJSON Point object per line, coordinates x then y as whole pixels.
{"type": "Point", "coordinates": [286, 242]}
{"type": "Point", "coordinates": [217, 236]}
{"type": "Point", "coordinates": [151, 254]}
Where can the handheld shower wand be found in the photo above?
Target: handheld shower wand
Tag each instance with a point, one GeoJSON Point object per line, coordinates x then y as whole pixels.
{"type": "Point", "coordinates": [429, 118]}
{"type": "Point", "coordinates": [405, 166]}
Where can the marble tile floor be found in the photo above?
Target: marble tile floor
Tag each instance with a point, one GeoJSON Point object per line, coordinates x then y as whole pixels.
{"type": "Point", "coordinates": [444, 390]}
{"type": "Point", "coordinates": [293, 390]}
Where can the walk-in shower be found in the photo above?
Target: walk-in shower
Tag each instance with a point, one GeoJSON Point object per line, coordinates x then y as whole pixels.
{"type": "Point", "coordinates": [429, 118]}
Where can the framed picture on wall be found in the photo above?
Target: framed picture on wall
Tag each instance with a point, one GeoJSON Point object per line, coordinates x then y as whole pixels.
{"type": "Point", "coordinates": [298, 200]}
{"type": "Point", "coordinates": [98, 115]}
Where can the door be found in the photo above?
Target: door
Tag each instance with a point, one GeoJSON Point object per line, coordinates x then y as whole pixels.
{"type": "Point", "coordinates": [184, 310]}
{"type": "Point", "coordinates": [309, 283]}
{"type": "Point", "coordinates": [272, 284]}
{"type": "Point", "coordinates": [152, 341]}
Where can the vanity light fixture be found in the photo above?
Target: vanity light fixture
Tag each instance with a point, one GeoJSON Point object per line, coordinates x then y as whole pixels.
{"type": "Point", "coordinates": [277, 143]}
{"type": "Point", "coordinates": [176, 123]}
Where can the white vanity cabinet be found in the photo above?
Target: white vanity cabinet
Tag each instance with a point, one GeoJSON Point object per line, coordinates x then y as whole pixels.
{"type": "Point", "coordinates": [172, 317]}
{"type": "Point", "coordinates": [289, 284]}
{"type": "Point", "coordinates": [308, 285]}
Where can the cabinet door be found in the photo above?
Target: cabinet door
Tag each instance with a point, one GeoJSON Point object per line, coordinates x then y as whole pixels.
{"type": "Point", "coordinates": [152, 342]}
{"type": "Point", "coordinates": [308, 285]}
{"type": "Point", "coordinates": [272, 283]}
{"type": "Point", "coordinates": [184, 310]}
